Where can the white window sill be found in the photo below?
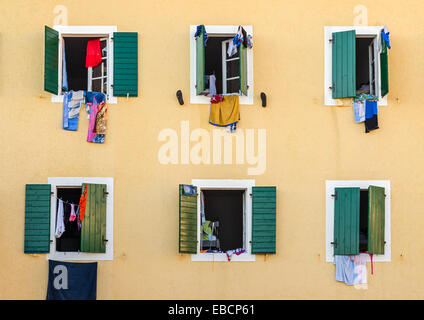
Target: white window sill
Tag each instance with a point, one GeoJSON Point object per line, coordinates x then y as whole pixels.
{"type": "Point", "coordinates": [219, 257]}
{"type": "Point", "coordinates": [243, 100]}
{"type": "Point", "coordinates": [59, 98]}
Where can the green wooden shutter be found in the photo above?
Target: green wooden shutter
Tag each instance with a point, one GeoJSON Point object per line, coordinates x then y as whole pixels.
{"type": "Point", "coordinates": [376, 219]}
{"type": "Point", "coordinates": [384, 67]}
{"type": "Point", "coordinates": [51, 60]}
{"type": "Point", "coordinates": [264, 206]}
{"type": "Point", "coordinates": [344, 64]}
{"type": "Point", "coordinates": [200, 62]}
{"type": "Point", "coordinates": [187, 222]}
{"type": "Point", "coordinates": [346, 221]}
{"type": "Point", "coordinates": [125, 64]}
{"type": "Point", "coordinates": [37, 218]}
{"type": "Point", "coordinates": [93, 227]}
{"type": "Point", "coordinates": [243, 69]}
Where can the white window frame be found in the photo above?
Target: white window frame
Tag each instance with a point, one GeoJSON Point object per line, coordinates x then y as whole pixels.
{"type": "Point", "coordinates": [224, 65]}
{"type": "Point", "coordinates": [87, 31]}
{"type": "Point", "coordinates": [330, 186]}
{"type": "Point", "coordinates": [217, 30]}
{"type": "Point", "coordinates": [57, 182]}
{"type": "Point", "coordinates": [216, 184]}
{"type": "Point", "coordinates": [361, 31]}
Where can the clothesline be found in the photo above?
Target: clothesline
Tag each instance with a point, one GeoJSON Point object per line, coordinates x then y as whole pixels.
{"type": "Point", "coordinates": [76, 205]}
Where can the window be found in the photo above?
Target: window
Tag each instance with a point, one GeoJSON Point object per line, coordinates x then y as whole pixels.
{"type": "Point", "coordinates": [237, 215]}
{"type": "Point", "coordinates": [116, 75]}
{"type": "Point", "coordinates": [94, 241]}
{"type": "Point", "coordinates": [358, 218]}
{"type": "Point", "coordinates": [355, 62]}
{"type": "Point", "coordinates": [233, 74]}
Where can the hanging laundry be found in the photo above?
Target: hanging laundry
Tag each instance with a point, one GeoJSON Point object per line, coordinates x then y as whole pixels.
{"type": "Point", "coordinates": [360, 269]}
{"type": "Point", "coordinates": [60, 223]}
{"type": "Point", "coordinates": [78, 219]}
{"type": "Point", "coordinates": [235, 251]}
{"type": "Point", "coordinates": [72, 101]}
{"type": "Point", "coordinates": [217, 98]}
{"type": "Point", "coordinates": [371, 120]}
{"type": "Point", "coordinates": [226, 112]}
{"type": "Point", "coordinates": [64, 71]}
{"type": "Point", "coordinates": [212, 85]}
{"type": "Point", "coordinates": [72, 216]}
{"type": "Point", "coordinates": [94, 54]}
{"type": "Point", "coordinates": [188, 189]}
{"type": "Point", "coordinates": [201, 28]}
{"type": "Point", "coordinates": [385, 34]}
{"type": "Point", "coordinates": [83, 202]}
{"type": "Point", "coordinates": [231, 128]}
{"type": "Point", "coordinates": [95, 102]}
{"type": "Point", "coordinates": [359, 111]}
{"type": "Point", "coordinates": [344, 269]}
{"type": "Point", "coordinates": [249, 41]}
{"type": "Point", "coordinates": [101, 119]}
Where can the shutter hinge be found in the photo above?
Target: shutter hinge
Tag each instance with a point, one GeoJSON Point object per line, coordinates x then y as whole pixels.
{"type": "Point", "coordinates": [334, 195]}
{"type": "Point", "coordinates": [103, 239]}
{"type": "Point", "coordinates": [250, 195]}
{"type": "Point", "coordinates": [334, 243]}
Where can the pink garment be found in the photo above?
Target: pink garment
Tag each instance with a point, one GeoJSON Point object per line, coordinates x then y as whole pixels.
{"type": "Point", "coordinates": [73, 215]}
{"type": "Point", "coordinates": [92, 124]}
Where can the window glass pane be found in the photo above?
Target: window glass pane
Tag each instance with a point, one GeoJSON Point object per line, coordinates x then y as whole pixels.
{"type": "Point", "coordinates": [233, 69]}
{"type": "Point", "coordinates": [97, 70]}
{"type": "Point", "coordinates": [226, 50]}
{"type": "Point", "coordinates": [97, 85]}
{"type": "Point", "coordinates": [233, 86]}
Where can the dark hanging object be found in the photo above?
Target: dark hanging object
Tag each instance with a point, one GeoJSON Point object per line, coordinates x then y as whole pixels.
{"type": "Point", "coordinates": [180, 97]}
{"type": "Point", "coordinates": [263, 97]}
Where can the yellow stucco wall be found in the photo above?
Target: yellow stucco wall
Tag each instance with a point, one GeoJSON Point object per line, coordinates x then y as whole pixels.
{"type": "Point", "coordinates": [307, 143]}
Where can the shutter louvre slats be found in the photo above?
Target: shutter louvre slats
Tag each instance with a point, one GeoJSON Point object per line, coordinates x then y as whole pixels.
{"type": "Point", "coordinates": [264, 220]}
{"type": "Point", "coordinates": [346, 221]}
{"type": "Point", "coordinates": [200, 62]}
{"type": "Point", "coordinates": [243, 69]}
{"type": "Point", "coordinates": [187, 222]}
{"type": "Point", "coordinates": [37, 218]}
{"type": "Point", "coordinates": [93, 227]}
{"type": "Point", "coordinates": [344, 64]}
{"type": "Point", "coordinates": [384, 67]}
{"type": "Point", "coordinates": [51, 60]}
{"type": "Point", "coordinates": [125, 64]}
{"type": "Point", "coordinates": [376, 219]}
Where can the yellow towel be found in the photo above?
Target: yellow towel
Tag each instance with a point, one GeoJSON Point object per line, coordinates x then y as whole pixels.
{"type": "Point", "coordinates": [225, 112]}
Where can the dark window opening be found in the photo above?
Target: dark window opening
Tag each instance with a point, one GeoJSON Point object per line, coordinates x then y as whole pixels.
{"type": "Point", "coordinates": [214, 64]}
{"type": "Point", "coordinates": [77, 72]}
{"type": "Point", "coordinates": [70, 241]}
{"type": "Point", "coordinates": [363, 221]}
{"type": "Point", "coordinates": [363, 65]}
{"type": "Point", "coordinates": [226, 207]}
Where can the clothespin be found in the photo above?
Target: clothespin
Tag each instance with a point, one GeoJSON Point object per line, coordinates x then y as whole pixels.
{"type": "Point", "coordinates": [128, 95]}
{"type": "Point", "coordinates": [264, 257]}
